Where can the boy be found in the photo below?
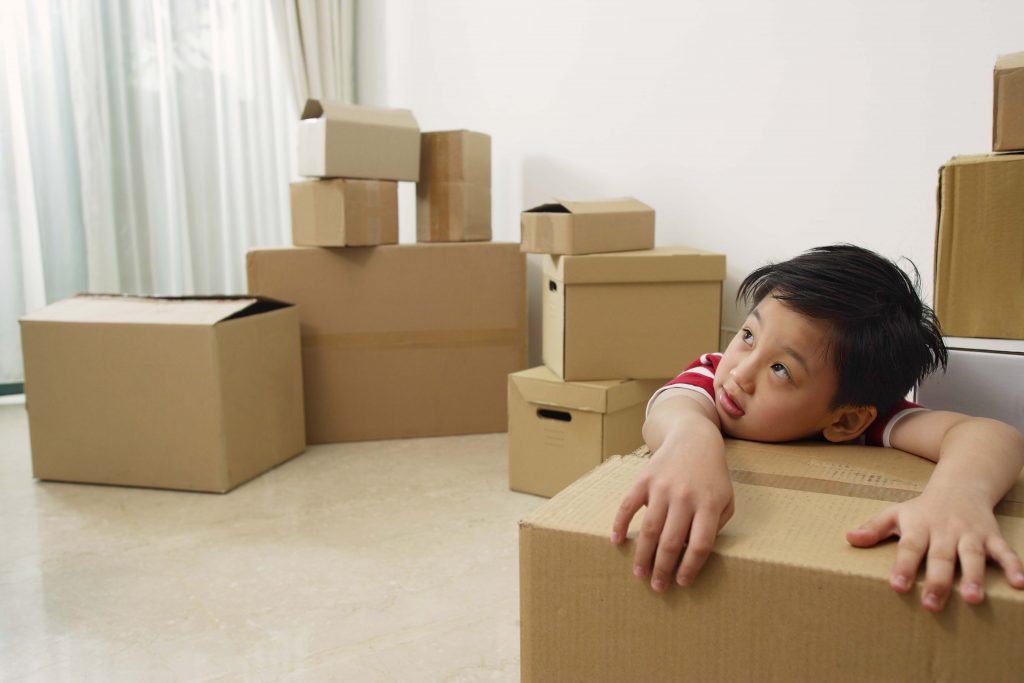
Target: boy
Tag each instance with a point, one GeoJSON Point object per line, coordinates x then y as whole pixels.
{"type": "Point", "coordinates": [835, 339]}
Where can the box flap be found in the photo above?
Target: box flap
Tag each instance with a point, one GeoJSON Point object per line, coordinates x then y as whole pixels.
{"type": "Point", "coordinates": [114, 308]}
{"type": "Point", "coordinates": [1013, 60]}
{"type": "Point", "coordinates": [661, 264]}
{"type": "Point", "coordinates": [339, 111]}
{"type": "Point", "coordinates": [541, 385]}
{"type": "Point", "coordinates": [619, 205]}
{"type": "Point", "coordinates": [972, 159]}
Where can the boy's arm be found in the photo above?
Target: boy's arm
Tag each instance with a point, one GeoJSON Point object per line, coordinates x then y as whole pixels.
{"type": "Point", "coordinates": [685, 487]}
{"type": "Point", "coordinates": [977, 461]}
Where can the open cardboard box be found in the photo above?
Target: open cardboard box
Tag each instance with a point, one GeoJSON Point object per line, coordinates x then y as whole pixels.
{"type": "Point", "coordinates": [195, 393]}
{"type": "Point", "coordinates": [783, 595]}
{"type": "Point", "coordinates": [587, 227]}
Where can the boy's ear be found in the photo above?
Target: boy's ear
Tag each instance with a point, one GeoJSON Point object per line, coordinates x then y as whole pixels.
{"type": "Point", "coordinates": [849, 422]}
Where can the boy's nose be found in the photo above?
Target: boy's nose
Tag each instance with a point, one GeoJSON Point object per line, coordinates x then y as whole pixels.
{"type": "Point", "coordinates": [743, 378]}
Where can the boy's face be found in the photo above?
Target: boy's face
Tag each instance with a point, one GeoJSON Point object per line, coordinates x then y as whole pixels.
{"type": "Point", "coordinates": [775, 381]}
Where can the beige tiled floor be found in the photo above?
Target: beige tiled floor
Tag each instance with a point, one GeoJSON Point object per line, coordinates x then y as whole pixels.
{"type": "Point", "coordinates": [383, 561]}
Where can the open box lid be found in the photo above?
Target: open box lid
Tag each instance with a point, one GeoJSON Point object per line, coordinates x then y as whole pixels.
{"type": "Point", "coordinates": [661, 264]}
{"type": "Point", "coordinates": [349, 113]}
{"type": "Point", "coordinates": [152, 310]}
{"type": "Point", "coordinates": [601, 206]}
{"type": "Point", "coordinates": [541, 385]}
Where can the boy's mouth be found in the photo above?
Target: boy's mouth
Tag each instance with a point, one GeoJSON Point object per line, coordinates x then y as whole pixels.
{"type": "Point", "coordinates": [729, 405]}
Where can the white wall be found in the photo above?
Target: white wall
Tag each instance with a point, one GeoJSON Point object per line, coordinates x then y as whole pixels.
{"type": "Point", "coordinates": [756, 129]}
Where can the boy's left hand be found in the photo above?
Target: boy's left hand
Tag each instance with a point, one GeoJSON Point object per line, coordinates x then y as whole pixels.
{"type": "Point", "coordinates": [945, 528]}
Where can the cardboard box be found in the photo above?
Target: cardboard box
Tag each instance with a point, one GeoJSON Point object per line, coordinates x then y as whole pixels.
{"type": "Point", "coordinates": [783, 597]}
{"type": "Point", "coordinates": [344, 212]}
{"type": "Point", "coordinates": [338, 140]}
{"type": "Point", "coordinates": [1008, 103]}
{"type": "Point", "coordinates": [558, 431]}
{"type": "Point", "coordinates": [592, 227]}
{"type": "Point", "coordinates": [984, 377]}
{"type": "Point", "coordinates": [193, 393]}
{"type": "Point", "coordinates": [453, 195]}
{"type": "Point", "coordinates": [402, 340]}
{"type": "Point", "coordinates": [638, 314]}
{"type": "Point", "coordinates": [979, 278]}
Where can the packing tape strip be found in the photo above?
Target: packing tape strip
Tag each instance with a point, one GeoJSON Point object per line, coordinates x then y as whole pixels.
{"type": "Point", "coordinates": [417, 339]}
{"type": "Point", "coordinates": [1007, 508]}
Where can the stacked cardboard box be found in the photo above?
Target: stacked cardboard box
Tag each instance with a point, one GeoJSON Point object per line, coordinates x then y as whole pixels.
{"type": "Point", "coordinates": [398, 340]}
{"type": "Point", "coordinates": [979, 263]}
{"type": "Point", "coordinates": [619, 318]}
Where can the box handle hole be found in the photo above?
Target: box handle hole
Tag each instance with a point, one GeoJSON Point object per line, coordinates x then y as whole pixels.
{"type": "Point", "coordinates": [559, 415]}
{"type": "Point", "coordinates": [552, 286]}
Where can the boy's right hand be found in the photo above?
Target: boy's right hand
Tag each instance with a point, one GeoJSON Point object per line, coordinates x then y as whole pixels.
{"type": "Point", "coordinates": [689, 498]}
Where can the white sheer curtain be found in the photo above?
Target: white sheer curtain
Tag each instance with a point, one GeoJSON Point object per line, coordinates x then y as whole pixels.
{"type": "Point", "coordinates": [144, 147]}
{"type": "Point", "coordinates": [318, 39]}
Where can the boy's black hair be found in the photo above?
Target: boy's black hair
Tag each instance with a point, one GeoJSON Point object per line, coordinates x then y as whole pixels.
{"type": "Point", "coordinates": [884, 338]}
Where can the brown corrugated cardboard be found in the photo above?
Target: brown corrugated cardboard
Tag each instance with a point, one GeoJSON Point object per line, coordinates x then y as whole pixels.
{"type": "Point", "coordinates": [1008, 103]}
{"type": "Point", "coordinates": [184, 393]}
{"type": "Point", "coordinates": [338, 140]}
{"type": "Point", "coordinates": [979, 278]}
{"type": "Point", "coordinates": [783, 596]}
{"type": "Point", "coordinates": [402, 340]}
{"type": "Point", "coordinates": [591, 227]}
{"type": "Point", "coordinates": [340, 212]}
{"type": "Point", "coordinates": [557, 430]}
{"type": "Point", "coordinates": [453, 195]}
{"type": "Point", "coordinates": [637, 314]}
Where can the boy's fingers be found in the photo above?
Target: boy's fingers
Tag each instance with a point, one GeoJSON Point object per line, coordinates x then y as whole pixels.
{"type": "Point", "coordinates": [647, 540]}
{"type": "Point", "coordinates": [632, 503]}
{"type": "Point", "coordinates": [939, 572]}
{"type": "Point", "coordinates": [875, 530]}
{"type": "Point", "coordinates": [1001, 552]}
{"type": "Point", "coordinates": [671, 544]}
{"type": "Point", "coordinates": [972, 567]}
{"type": "Point", "coordinates": [702, 539]}
{"type": "Point", "coordinates": [909, 553]}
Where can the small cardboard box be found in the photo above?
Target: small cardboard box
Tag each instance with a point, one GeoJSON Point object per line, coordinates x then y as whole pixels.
{"type": "Point", "coordinates": [1008, 103]}
{"type": "Point", "coordinates": [979, 255]}
{"type": "Point", "coordinates": [984, 377]}
{"type": "Point", "coordinates": [783, 596]}
{"type": "Point", "coordinates": [590, 227]}
{"type": "Point", "coordinates": [199, 394]}
{"type": "Point", "coordinates": [402, 340]}
{"type": "Point", "coordinates": [453, 195]}
{"type": "Point", "coordinates": [338, 140]}
{"type": "Point", "coordinates": [344, 212]}
{"type": "Point", "coordinates": [558, 431]}
{"type": "Point", "coordinates": [637, 314]}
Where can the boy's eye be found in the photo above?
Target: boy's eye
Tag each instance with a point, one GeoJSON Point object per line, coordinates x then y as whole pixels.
{"type": "Point", "coordinates": [747, 336]}
{"type": "Point", "coordinates": [780, 370]}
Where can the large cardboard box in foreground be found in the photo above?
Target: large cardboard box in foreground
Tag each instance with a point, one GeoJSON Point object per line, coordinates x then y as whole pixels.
{"type": "Point", "coordinates": [783, 597]}
{"type": "Point", "coordinates": [984, 377]}
{"type": "Point", "coordinates": [402, 340]}
{"type": "Point", "coordinates": [344, 212]}
{"type": "Point", "coordinates": [1008, 103]}
{"type": "Point", "coordinates": [453, 194]}
{"type": "Point", "coordinates": [338, 140]}
{"type": "Point", "coordinates": [182, 393]}
{"type": "Point", "coordinates": [979, 255]}
{"type": "Point", "coordinates": [634, 314]}
{"type": "Point", "coordinates": [558, 431]}
{"type": "Point", "coordinates": [587, 227]}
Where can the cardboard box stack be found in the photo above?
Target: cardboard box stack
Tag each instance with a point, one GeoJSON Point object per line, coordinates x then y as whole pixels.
{"type": "Point", "coordinates": [783, 596]}
{"type": "Point", "coordinates": [620, 317]}
{"type": "Point", "coordinates": [979, 264]}
{"type": "Point", "coordinates": [398, 340]}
